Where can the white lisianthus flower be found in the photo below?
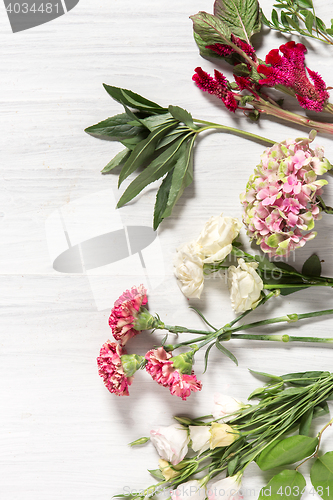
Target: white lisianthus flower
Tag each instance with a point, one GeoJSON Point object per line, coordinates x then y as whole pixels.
{"type": "Point", "coordinates": [224, 406]}
{"type": "Point", "coordinates": [221, 435]}
{"type": "Point", "coordinates": [189, 269]}
{"type": "Point", "coordinates": [170, 442]}
{"type": "Point", "coordinates": [189, 490]}
{"type": "Point", "coordinates": [200, 436]}
{"type": "Point", "coordinates": [245, 285]}
{"type": "Point", "coordinates": [217, 236]}
{"type": "Point", "coordinates": [226, 489]}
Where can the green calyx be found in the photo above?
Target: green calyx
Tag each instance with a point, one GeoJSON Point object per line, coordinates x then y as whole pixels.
{"type": "Point", "coordinates": [131, 363]}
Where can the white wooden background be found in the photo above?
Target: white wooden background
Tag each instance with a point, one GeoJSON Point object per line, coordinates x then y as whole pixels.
{"type": "Point", "coordinates": [62, 434]}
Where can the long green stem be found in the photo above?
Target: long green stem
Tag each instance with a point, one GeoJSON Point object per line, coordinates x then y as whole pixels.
{"type": "Point", "coordinates": [280, 338]}
{"type": "Point", "coordinates": [247, 135]}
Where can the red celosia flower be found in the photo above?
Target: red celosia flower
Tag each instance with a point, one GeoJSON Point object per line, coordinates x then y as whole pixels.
{"type": "Point", "coordinates": [125, 312]}
{"type": "Point", "coordinates": [289, 70]}
{"type": "Point", "coordinates": [216, 86]}
{"type": "Point", "coordinates": [160, 366]}
{"type": "Point", "coordinates": [111, 369]}
{"type": "Point", "coordinates": [225, 50]}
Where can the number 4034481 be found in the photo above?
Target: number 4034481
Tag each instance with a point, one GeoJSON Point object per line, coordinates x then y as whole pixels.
{"type": "Point", "coordinates": [288, 491]}
{"type": "Point", "coordinates": [35, 8]}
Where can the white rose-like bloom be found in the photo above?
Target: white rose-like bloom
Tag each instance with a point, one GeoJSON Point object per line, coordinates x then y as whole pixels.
{"type": "Point", "coordinates": [224, 406]}
{"type": "Point", "coordinates": [245, 285]}
{"type": "Point", "coordinates": [217, 236]}
{"type": "Point", "coordinates": [170, 442]}
{"type": "Point", "coordinates": [189, 270]}
{"type": "Point", "coordinates": [226, 489]}
{"type": "Point", "coordinates": [200, 436]}
{"type": "Point", "coordinates": [189, 490]}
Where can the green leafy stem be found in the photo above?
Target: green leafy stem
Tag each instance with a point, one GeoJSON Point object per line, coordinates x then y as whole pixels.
{"type": "Point", "coordinates": [275, 432]}
{"type": "Point", "coordinates": [299, 16]}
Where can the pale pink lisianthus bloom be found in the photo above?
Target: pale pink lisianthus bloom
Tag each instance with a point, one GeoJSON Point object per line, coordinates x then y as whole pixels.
{"type": "Point", "coordinates": [170, 442]}
{"type": "Point", "coordinates": [125, 312]}
{"type": "Point", "coordinates": [226, 489]}
{"type": "Point", "coordinates": [110, 368]}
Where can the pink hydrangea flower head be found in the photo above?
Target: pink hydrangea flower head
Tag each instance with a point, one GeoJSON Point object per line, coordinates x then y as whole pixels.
{"type": "Point", "coordinates": [289, 69]}
{"type": "Point", "coordinates": [110, 368]}
{"type": "Point", "coordinates": [217, 85]}
{"type": "Point", "coordinates": [280, 206]}
{"type": "Point", "coordinates": [125, 312]}
{"type": "Point", "coordinates": [161, 367]}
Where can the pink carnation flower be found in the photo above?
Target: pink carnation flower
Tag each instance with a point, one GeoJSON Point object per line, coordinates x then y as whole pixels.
{"type": "Point", "coordinates": [280, 197]}
{"type": "Point", "coordinates": [289, 70]}
{"type": "Point", "coordinates": [160, 366]}
{"type": "Point", "coordinates": [110, 368]}
{"type": "Point", "coordinates": [125, 313]}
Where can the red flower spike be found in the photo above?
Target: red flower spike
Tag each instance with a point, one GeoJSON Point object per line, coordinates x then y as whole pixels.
{"type": "Point", "coordinates": [224, 50]}
{"type": "Point", "coordinates": [289, 70]}
{"type": "Point", "coordinates": [216, 86]}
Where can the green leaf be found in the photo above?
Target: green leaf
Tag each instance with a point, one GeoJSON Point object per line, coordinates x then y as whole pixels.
{"type": "Point", "coordinates": [181, 115]}
{"type": "Point", "coordinates": [182, 176]}
{"type": "Point", "coordinates": [322, 475]}
{"type": "Point", "coordinates": [116, 161]}
{"type": "Point", "coordinates": [305, 424]}
{"type": "Point", "coordinates": [288, 483]}
{"type": "Point", "coordinates": [162, 199]}
{"type": "Point", "coordinates": [204, 52]}
{"type": "Point", "coordinates": [320, 24]}
{"type": "Point", "coordinates": [293, 23]}
{"type": "Point", "coordinates": [154, 121]}
{"type": "Point", "coordinates": [155, 170]}
{"type": "Point", "coordinates": [206, 356]}
{"type": "Point", "coordinates": [232, 464]}
{"type": "Point", "coordinates": [284, 19]}
{"type": "Point", "coordinates": [312, 266]}
{"type": "Point", "coordinates": [321, 409]}
{"type": "Point", "coordinates": [286, 451]}
{"type": "Point", "coordinates": [304, 378]}
{"type": "Point", "coordinates": [308, 21]}
{"type": "Point", "coordinates": [144, 150]}
{"type": "Point", "coordinates": [226, 352]}
{"type": "Point", "coordinates": [241, 16]}
{"type": "Point", "coordinates": [275, 18]}
{"type": "Point", "coordinates": [133, 100]}
{"type": "Point", "coordinates": [116, 127]}
{"type": "Point", "coordinates": [266, 375]}
{"type": "Point", "coordinates": [157, 474]}
{"type": "Point", "coordinates": [307, 4]}
{"type": "Point", "coordinates": [210, 29]}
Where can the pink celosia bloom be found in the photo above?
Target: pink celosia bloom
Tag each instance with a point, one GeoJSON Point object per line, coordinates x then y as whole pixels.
{"type": "Point", "coordinates": [217, 86]}
{"type": "Point", "coordinates": [125, 312]}
{"type": "Point", "coordinates": [160, 367]}
{"type": "Point", "coordinates": [111, 369]}
{"type": "Point", "coordinates": [289, 70]}
{"type": "Point", "coordinates": [225, 50]}
{"type": "Point", "coordinates": [280, 198]}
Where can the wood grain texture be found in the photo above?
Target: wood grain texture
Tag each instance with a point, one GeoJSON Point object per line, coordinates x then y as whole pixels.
{"type": "Point", "coordinates": [63, 436]}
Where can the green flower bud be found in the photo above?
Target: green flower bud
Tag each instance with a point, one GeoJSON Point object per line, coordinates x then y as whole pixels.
{"type": "Point", "coordinates": [183, 362]}
{"type": "Point", "coordinates": [139, 441]}
{"type": "Point", "coordinates": [145, 321]}
{"type": "Point", "coordinates": [131, 363]}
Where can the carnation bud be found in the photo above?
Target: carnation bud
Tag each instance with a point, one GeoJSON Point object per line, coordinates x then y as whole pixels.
{"type": "Point", "coordinates": [145, 321]}
{"type": "Point", "coordinates": [183, 362]}
{"type": "Point", "coordinates": [131, 363]}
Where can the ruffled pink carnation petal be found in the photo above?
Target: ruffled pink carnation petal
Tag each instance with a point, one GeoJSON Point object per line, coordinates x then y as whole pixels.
{"type": "Point", "coordinates": [182, 385]}
{"type": "Point", "coordinates": [125, 312]}
{"type": "Point", "coordinates": [111, 369]}
{"type": "Point", "coordinates": [159, 366]}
